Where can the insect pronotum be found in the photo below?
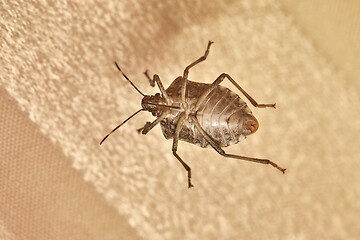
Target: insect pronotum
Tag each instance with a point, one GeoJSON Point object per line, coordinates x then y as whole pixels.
{"type": "Point", "coordinates": [199, 113]}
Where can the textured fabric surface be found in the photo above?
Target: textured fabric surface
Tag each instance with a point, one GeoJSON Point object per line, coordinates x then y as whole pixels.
{"type": "Point", "coordinates": [41, 196]}
{"type": "Point", "coordinates": [58, 63]}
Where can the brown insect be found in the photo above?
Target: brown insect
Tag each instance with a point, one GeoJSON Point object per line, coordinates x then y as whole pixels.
{"type": "Point", "coordinates": [199, 113]}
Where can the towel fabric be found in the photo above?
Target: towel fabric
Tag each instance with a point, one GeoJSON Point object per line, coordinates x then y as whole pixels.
{"type": "Point", "coordinates": [57, 182]}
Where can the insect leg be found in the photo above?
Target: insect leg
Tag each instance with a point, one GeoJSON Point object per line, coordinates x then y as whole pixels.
{"type": "Point", "coordinates": [186, 71]}
{"type": "Point", "coordinates": [156, 79]}
{"type": "Point", "coordinates": [218, 81]}
{"type": "Point", "coordinates": [139, 130]}
{"type": "Point", "coordinates": [174, 148]}
{"type": "Point", "coordinates": [151, 81]}
{"type": "Point", "coordinates": [162, 89]}
{"type": "Point", "coordinates": [150, 125]}
{"type": "Point", "coordinates": [217, 148]}
{"type": "Point", "coordinates": [202, 58]}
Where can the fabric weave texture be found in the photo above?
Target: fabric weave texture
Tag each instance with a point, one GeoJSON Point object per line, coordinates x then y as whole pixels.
{"type": "Point", "coordinates": [57, 63]}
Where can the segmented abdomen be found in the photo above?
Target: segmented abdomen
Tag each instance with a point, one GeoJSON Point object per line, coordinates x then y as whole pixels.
{"type": "Point", "coordinates": [213, 115]}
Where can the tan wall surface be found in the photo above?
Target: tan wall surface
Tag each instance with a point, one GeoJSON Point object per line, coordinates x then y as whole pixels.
{"type": "Point", "coordinates": [333, 28]}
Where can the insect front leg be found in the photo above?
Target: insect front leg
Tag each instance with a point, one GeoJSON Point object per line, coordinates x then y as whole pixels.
{"type": "Point", "coordinates": [151, 81]}
{"type": "Point", "coordinates": [156, 79]}
{"type": "Point", "coordinates": [139, 130]}
{"type": "Point", "coordinates": [150, 125]}
{"type": "Point", "coordinates": [174, 148]}
{"type": "Point", "coordinates": [186, 72]}
{"type": "Point", "coordinates": [217, 148]}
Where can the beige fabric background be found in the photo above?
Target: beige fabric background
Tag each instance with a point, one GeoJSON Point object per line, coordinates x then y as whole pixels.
{"type": "Point", "coordinates": [56, 182]}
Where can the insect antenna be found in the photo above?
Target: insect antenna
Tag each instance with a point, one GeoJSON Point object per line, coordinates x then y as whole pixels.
{"type": "Point", "coordinates": [121, 125]}
{"type": "Point", "coordinates": [132, 84]}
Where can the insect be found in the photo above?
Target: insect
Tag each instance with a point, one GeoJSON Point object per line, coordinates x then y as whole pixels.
{"type": "Point", "coordinates": [207, 115]}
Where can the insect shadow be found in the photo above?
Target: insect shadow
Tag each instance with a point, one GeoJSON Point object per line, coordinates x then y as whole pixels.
{"type": "Point", "coordinates": [207, 115]}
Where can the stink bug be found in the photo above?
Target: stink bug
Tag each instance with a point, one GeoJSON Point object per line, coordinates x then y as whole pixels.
{"type": "Point", "coordinates": [208, 115]}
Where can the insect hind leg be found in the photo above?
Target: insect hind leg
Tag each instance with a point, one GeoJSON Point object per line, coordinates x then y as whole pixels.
{"type": "Point", "coordinates": [257, 160]}
{"type": "Point", "coordinates": [218, 149]}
